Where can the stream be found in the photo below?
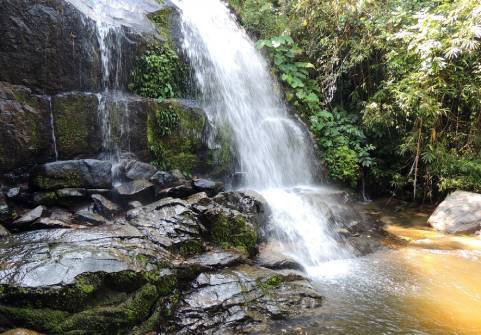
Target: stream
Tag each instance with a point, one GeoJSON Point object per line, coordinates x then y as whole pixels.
{"type": "Point", "coordinates": [423, 283]}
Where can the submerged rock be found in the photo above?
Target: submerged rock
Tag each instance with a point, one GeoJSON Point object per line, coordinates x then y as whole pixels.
{"type": "Point", "coordinates": [459, 213]}
{"type": "Point", "coordinates": [87, 173]}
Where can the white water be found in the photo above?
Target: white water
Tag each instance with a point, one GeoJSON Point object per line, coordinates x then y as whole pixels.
{"type": "Point", "coordinates": [238, 91]}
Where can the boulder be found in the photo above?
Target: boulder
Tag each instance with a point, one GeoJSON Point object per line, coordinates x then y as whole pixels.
{"type": "Point", "coordinates": [243, 299]}
{"type": "Point", "coordinates": [140, 190]}
{"type": "Point", "coordinates": [162, 179]}
{"type": "Point", "coordinates": [136, 170]}
{"type": "Point", "coordinates": [101, 280]}
{"type": "Point", "coordinates": [105, 207]}
{"type": "Point", "coordinates": [459, 213]}
{"type": "Point", "coordinates": [87, 173]}
{"type": "Point", "coordinates": [210, 187]}
{"type": "Point", "coordinates": [170, 223]}
{"type": "Point", "coordinates": [214, 260]}
{"type": "Point", "coordinates": [25, 127]}
{"type": "Point", "coordinates": [26, 221]}
{"type": "Point", "coordinates": [182, 191]}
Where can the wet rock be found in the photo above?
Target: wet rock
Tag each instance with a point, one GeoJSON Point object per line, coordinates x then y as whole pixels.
{"type": "Point", "coordinates": [208, 186]}
{"type": "Point", "coordinates": [77, 126]}
{"type": "Point", "coordinates": [44, 47]}
{"type": "Point", "coordinates": [140, 190]}
{"type": "Point", "coordinates": [13, 193]}
{"type": "Point", "coordinates": [459, 213]}
{"type": "Point", "coordinates": [101, 280]}
{"type": "Point", "coordinates": [170, 223]}
{"type": "Point", "coordinates": [45, 198]}
{"type": "Point", "coordinates": [136, 170]}
{"type": "Point", "coordinates": [197, 198]}
{"type": "Point", "coordinates": [28, 218]}
{"type": "Point", "coordinates": [182, 191]}
{"type": "Point", "coordinates": [87, 217]}
{"type": "Point", "coordinates": [87, 173]}
{"type": "Point", "coordinates": [134, 204]}
{"type": "Point", "coordinates": [7, 214]}
{"type": "Point", "coordinates": [241, 300]}
{"type": "Point", "coordinates": [104, 206]}
{"type": "Point", "coordinates": [214, 259]}
{"type": "Point", "coordinates": [162, 179]}
{"type": "Point", "coordinates": [20, 331]}
{"type": "Point", "coordinates": [272, 259]}
{"type": "Point", "coordinates": [25, 132]}
{"type": "Point", "coordinates": [3, 231]}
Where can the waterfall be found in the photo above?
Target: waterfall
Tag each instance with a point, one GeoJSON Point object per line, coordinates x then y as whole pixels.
{"type": "Point", "coordinates": [238, 92]}
{"type": "Point", "coordinates": [112, 19]}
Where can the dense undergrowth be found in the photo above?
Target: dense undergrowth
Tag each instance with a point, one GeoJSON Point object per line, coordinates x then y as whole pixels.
{"type": "Point", "coordinates": [391, 89]}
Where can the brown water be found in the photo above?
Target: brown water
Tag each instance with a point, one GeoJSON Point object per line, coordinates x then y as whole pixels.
{"type": "Point", "coordinates": [428, 283]}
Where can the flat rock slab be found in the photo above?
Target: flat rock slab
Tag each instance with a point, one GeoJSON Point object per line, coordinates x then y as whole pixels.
{"type": "Point", "coordinates": [55, 257]}
{"type": "Point", "coordinates": [459, 213]}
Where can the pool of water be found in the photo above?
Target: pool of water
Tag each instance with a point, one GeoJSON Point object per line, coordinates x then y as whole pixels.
{"type": "Point", "coordinates": [429, 283]}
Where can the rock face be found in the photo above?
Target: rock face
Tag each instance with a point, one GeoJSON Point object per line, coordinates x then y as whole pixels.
{"type": "Point", "coordinates": [88, 173]}
{"type": "Point", "coordinates": [459, 213]}
{"type": "Point", "coordinates": [241, 300]}
{"type": "Point", "coordinates": [25, 132]}
{"type": "Point", "coordinates": [43, 46]}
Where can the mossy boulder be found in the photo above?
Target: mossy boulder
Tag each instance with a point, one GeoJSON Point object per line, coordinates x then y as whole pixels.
{"type": "Point", "coordinates": [103, 280]}
{"type": "Point", "coordinates": [86, 173]}
{"type": "Point", "coordinates": [25, 131]}
{"type": "Point", "coordinates": [177, 134]}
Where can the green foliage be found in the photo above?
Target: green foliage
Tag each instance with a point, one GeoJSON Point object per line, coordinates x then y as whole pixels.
{"type": "Point", "coordinates": [341, 140]}
{"type": "Point", "coordinates": [397, 86]}
{"type": "Point", "coordinates": [157, 73]}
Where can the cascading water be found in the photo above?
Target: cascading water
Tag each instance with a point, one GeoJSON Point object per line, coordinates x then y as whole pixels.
{"type": "Point", "coordinates": [237, 91]}
{"type": "Point", "coordinates": [112, 18]}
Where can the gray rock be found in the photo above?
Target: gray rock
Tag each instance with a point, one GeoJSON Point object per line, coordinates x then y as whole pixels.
{"type": "Point", "coordinates": [197, 198]}
{"type": "Point", "coordinates": [134, 204]}
{"type": "Point", "coordinates": [3, 231]}
{"type": "Point", "coordinates": [208, 186]}
{"type": "Point", "coordinates": [270, 258]}
{"type": "Point", "coordinates": [136, 170]}
{"type": "Point", "coordinates": [135, 190]}
{"type": "Point", "coordinates": [7, 214]}
{"type": "Point", "coordinates": [459, 213]}
{"type": "Point", "coordinates": [162, 179]}
{"type": "Point", "coordinates": [242, 300]}
{"type": "Point", "coordinates": [105, 207]}
{"type": "Point", "coordinates": [181, 191]}
{"type": "Point", "coordinates": [215, 259]}
{"type": "Point", "coordinates": [87, 173]}
{"type": "Point", "coordinates": [25, 132]}
{"type": "Point", "coordinates": [13, 193]}
{"type": "Point", "coordinates": [87, 217]}
{"type": "Point", "coordinates": [171, 224]}
{"type": "Point", "coordinates": [28, 218]}
{"type": "Point", "coordinates": [71, 193]}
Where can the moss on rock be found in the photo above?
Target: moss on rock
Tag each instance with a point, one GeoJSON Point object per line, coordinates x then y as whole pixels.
{"type": "Point", "coordinates": [76, 125]}
{"type": "Point", "coordinates": [233, 232]}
